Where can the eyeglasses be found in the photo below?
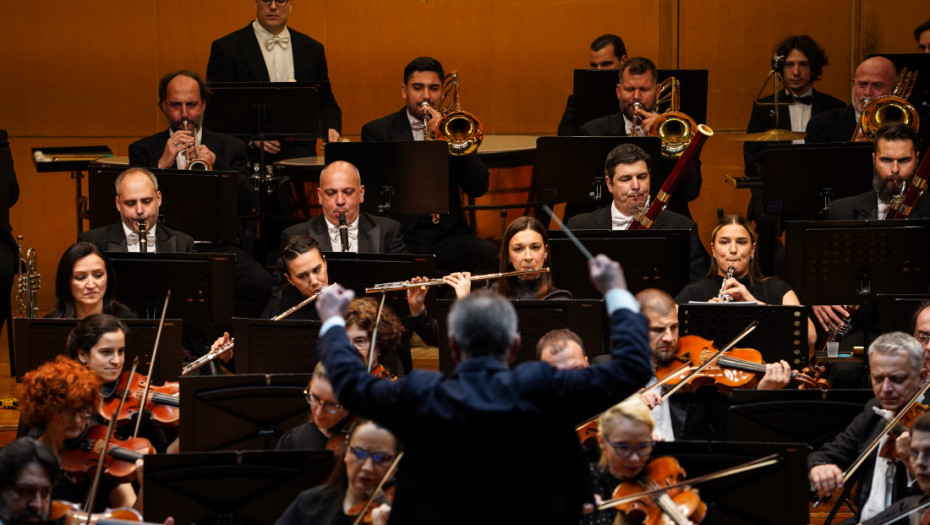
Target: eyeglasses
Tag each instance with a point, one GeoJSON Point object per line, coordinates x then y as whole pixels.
{"type": "Point", "coordinates": [281, 3]}
{"type": "Point", "coordinates": [378, 458]}
{"type": "Point", "coordinates": [328, 406]}
{"type": "Point", "coordinates": [922, 337]}
{"type": "Point", "coordinates": [68, 413]}
{"type": "Point", "coordinates": [625, 450]}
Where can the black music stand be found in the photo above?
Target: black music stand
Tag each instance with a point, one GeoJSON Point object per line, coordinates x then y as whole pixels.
{"type": "Point", "coordinates": [40, 340]}
{"type": "Point", "coordinates": [48, 160]}
{"type": "Point", "coordinates": [212, 219]}
{"type": "Point", "coordinates": [400, 178]}
{"type": "Point", "coordinates": [571, 169]}
{"type": "Point", "coordinates": [201, 284]}
{"type": "Point", "coordinates": [774, 495]}
{"type": "Point", "coordinates": [650, 259]}
{"type": "Point", "coordinates": [264, 346]}
{"type": "Point", "coordinates": [800, 180]}
{"type": "Point", "coordinates": [586, 318]}
{"type": "Point", "coordinates": [230, 488]}
{"type": "Point", "coordinates": [595, 93]}
{"type": "Point", "coordinates": [896, 311]}
{"type": "Point", "coordinates": [781, 334]}
{"type": "Point", "coordinates": [242, 411]}
{"type": "Point", "coordinates": [813, 417]}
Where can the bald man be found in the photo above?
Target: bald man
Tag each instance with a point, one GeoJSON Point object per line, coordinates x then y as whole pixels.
{"type": "Point", "coordinates": [874, 77]}
{"type": "Point", "coordinates": [341, 193]}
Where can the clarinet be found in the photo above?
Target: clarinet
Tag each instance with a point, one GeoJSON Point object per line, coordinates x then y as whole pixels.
{"type": "Point", "coordinates": [723, 286]}
{"type": "Point", "coordinates": [343, 232]}
{"type": "Point", "coordinates": [143, 237]}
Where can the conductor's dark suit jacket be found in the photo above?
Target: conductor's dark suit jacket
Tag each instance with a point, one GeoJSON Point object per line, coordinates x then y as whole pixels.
{"type": "Point", "coordinates": [375, 234]}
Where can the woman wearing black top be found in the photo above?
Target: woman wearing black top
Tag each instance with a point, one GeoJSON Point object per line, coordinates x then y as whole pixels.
{"type": "Point", "coordinates": [85, 285]}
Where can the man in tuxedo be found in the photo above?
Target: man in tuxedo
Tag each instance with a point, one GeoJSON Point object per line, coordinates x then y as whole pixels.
{"type": "Point", "coordinates": [267, 50]}
{"type": "Point", "coordinates": [341, 193]}
{"type": "Point", "coordinates": [607, 52]}
{"type": "Point", "coordinates": [626, 172]}
{"type": "Point", "coordinates": [9, 251]}
{"type": "Point", "coordinates": [922, 36]}
{"type": "Point", "coordinates": [448, 236]}
{"type": "Point", "coordinates": [639, 84]}
{"type": "Point", "coordinates": [874, 77]}
{"type": "Point", "coordinates": [138, 200]}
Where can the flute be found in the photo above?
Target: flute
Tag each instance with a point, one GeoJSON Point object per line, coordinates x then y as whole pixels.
{"type": "Point", "coordinates": [404, 285]}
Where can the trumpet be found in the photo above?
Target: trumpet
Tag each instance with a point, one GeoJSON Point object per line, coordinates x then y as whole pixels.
{"type": "Point", "coordinates": [674, 128]}
{"type": "Point", "coordinates": [202, 360]}
{"type": "Point", "coordinates": [30, 282]}
{"type": "Point", "coordinates": [889, 108]}
{"type": "Point", "coordinates": [461, 130]}
{"type": "Point", "coordinates": [194, 162]}
{"type": "Point", "coordinates": [637, 120]}
{"type": "Point", "coordinates": [404, 285]}
{"type": "Point", "coordinates": [723, 286]}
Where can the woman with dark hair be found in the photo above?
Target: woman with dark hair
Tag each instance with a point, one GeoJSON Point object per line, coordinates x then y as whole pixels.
{"type": "Point", "coordinates": [525, 246]}
{"type": "Point", "coordinates": [370, 452]}
{"type": "Point", "coordinates": [84, 285]}
{"type": "Point", "coordinates": [302, 269]}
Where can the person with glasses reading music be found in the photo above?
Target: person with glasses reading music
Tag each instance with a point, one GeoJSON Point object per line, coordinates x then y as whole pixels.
{"type": "Point", "coordinates": [922, 330]}
{"type": "Point", "coordinates": [328, 418]}
{"type": "Point", "coordinates": [358, 472]}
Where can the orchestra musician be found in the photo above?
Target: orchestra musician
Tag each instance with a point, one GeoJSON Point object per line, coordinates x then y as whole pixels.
{"type": "Point", "coordinates": [303, 267]}
{"type": "Point", "coordinates": [85, 284]}
{"type": "Point", "coordinates": [341, 192]}
{"type": "Point", "coordinates": [9, 251]}
{"type": "Point", "coordinates": [874, 77]}
{"type": "Point", "coordinates": [59, 398]}
{"type": "Point", "coordinates": [922, 36]}
{"type": "Point", "coordinates": [360, 323]}
{"type": "Point", "coordinates": [27, 471]}
{"type": "Point", "coordinates": [627, 173]}
{"type": "Point", "coordinates": [639, 84]}
{"type": "Point", "coordinates": [922, 330]}
{"type": "Point", "coordinates": [531, 404]}
{"type": "Point", "coordinates": [607, 52]}
{"type": "Point", "coordinates": [563, 349]}
{"type": "Point", "coordinates": [371, 450]}
{"type": "Point", "coordinates": [525, 246]}
{"type": "Point", "coordinates": [267, 50]}
{"type": "Point", "coordinates": [897, 373]}
{"type": "Point", "coordinates": [328, 417]}
{"type": "Point", "coordinates": [448, 236]}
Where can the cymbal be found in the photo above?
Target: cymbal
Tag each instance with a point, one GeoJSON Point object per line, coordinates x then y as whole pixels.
{"type": "Point", "coordinates": [772, 135]}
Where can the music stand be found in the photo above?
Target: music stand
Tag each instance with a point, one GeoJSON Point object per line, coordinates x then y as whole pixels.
{"type": "Point", "coordinates": [650, 258]}
{"type": "Point", "coordinates": [595, 93]}
{"type": "Point", "coordinates": [800, 180]}
{"type": "Point", "coordinates": [40, 340]}
{"type": "Point", "coordinates": [242, 411]}
{"type": "Point", "coordinates": [534, 318]}
{"type": "Point", "coordinates": [230, 488]}
{"type": "Point", "coordinates": [775, 495]}
{"type": "Point", "coordinates": [571, 169]}
{"type": "Point", "coordinates": [400, 178]}
{"type": "Point", "coordinates": [896, 311]}
{"type": "Point", "coordinates": [813, 417]}
{"type": "Point", "coordinates": [212, 219]}
{"type": "Point", "coordinates": [781, 334]}
{"type": "Point", "coordinates": [75, 159]}
{"type": "Point", "coordinates": [264, 346]}
{"type": "Point", "coordinates": [266, 110]}
{"type": "Point", "coordinates": [201, 284]}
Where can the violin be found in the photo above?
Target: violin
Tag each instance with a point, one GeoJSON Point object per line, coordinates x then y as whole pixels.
{"type": "Point", "coordinates": [73, 515]}
{"type": "Point", "coordinates": [362, 510]}
{"type": "Point", "coordinates": [80, 460]}
{"type": "Point", "coordinates": [888, 450]}
{"type": "Point", "coordinates": [677, 505]}
{"type": "Point", "coordinates": [161, 402]}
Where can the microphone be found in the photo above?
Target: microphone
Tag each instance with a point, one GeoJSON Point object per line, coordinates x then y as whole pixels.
{"type": "Point", "coordinates": [143, 237]}
{"type": "Point", "coordinates": [343, 232]}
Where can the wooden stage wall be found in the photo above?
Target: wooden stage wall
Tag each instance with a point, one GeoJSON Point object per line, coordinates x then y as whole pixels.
{"type": "Point", "coordinates": [79, 73]}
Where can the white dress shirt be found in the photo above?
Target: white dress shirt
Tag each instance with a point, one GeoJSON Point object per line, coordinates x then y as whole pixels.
{"type": "Point", "coordinates": [280, 58]}
{"type": "Point", "coordinates": [336, 241]}
{"type": "Point", "coordinates": [132, 239]}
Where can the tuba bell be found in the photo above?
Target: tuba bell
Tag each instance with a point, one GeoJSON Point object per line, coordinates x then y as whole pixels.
{"type": "Point", "coordinates": [674, 128]}
{"type": "Point", "coordinates": [890, 108]}
{"type": "Point", "coordinates": [29, 281]}
{"type": "Point", "coordinates": [461, 130]}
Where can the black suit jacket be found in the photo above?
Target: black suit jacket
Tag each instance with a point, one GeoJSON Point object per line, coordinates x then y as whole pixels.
{"type": "Point", "coordinates": [688, 189]}
{"type": "Point", "coordinates": [668, 220]}
{"type": "Point", "coordinates": [11, 194]}
{"type": "Point", "coordinates": [375, 234]}
{"type": "Point", "coordinates": [112, 239]}
{"type": "Point", "coordinates": [465, 172]}
{"type": "Point", "coordinates": [230, 155]}
{"type": "Point", "coordinates": [836, 125]}
{"type": "Point", "coordinates": [864, 207]}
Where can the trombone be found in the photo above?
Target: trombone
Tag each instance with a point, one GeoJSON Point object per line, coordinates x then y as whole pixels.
{"type": "Point", "coordinates": [461, 130]}
{"type": "Point", "coordinates": [890, 108]}
{"type": "Point", "coordinates": [674, 128]}
{"type": "Point", "coordinates": [404, 285]}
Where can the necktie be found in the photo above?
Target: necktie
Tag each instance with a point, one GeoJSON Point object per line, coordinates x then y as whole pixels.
{"type": "Point", "coordinates": [282, 40]}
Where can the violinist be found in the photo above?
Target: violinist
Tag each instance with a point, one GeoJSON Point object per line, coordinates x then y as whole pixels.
{"type": "Point", "coordinates": [27, 470]}
{"type": "Point", "coordinates": [60, 398]}
{"type": "Point", "coordinates": [563, 349]}
{"type": "Point", "coordinates": [896, 371]}
{"type": "Point", "coordinates": [360, 323]}
{"type": "Point", "coordinates": [358, 472]}
{"type": "Point", "coordinates": [915, 446]}
{"type": "Point", "coordinates": [922, 330]}
{"type": "Point", "coordinates": [328, 418]}
{"type": "Point", "coordinates": [85, 285]}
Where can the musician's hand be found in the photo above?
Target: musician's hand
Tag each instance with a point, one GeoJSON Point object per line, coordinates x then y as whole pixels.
{"type": "Point", "coordinates": [333, 136]}
{"type": "Point", "coordinates": [826, 479]}
{"type": "Point", "coordinates": [460, 282]}
{"type": "Point", "coordinates": [652, 398]}
{"type": "Point", "coordinates": [606, 274]}
{"type": "Point", "coordinates": [649, 120]}
{"type": "Point", "coordinates": [416, 296]}
{"type": "Point", "coordinates": [435, 117]}
{"type": "Point", "coordinates": [334, 301]}
{"type": "Point", "coordinates": [205, 154]}
{"type": "Point", "coordinates": [777, 376]}
{"type": "Point", "coordinates": [176, 143]}
{"type": "Point", "coordinates": [380, 514]}
{"type": "Point", "coordinates": [219, 343]}
{"type": "Point", "coordinates": [169, 521]}
{"type": "Point", "coordinates": [830, 317]}
{"type": "Point", "coordinates": [737, 292]}
{"type": "Point", "coordinates": [270, 146]}
{"type": "Point", "coordinates": [902, 448]}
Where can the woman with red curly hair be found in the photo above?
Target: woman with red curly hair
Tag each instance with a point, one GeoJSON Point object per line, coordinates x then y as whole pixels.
{"type": "Point", "coordinates": [360, 322]}
{"type": "Point", "coordinates": [59, 398]}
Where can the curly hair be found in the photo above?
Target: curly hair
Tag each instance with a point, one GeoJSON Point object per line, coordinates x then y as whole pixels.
{"type": "Point", "coordinates": [363, 311]}
{"type": "Point", "coordinates": [62, 382]}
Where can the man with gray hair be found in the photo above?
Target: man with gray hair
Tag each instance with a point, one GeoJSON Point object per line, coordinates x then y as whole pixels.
{"type": "Point", "coordinates": [896, 370]}
{"type": "Point", "coordinates": [451, 425]}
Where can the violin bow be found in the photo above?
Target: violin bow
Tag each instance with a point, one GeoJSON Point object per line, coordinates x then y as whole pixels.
{"type": "Point", "coordinates": [762, 462]}
{"type": "Point", "coordinates": [148, 378]}
{"type": "Point", "coordinates": [387, 476]}
{"type": "Point", "coordinates": [92, 494]}
{"type": "Point", "coordinates": [700, 368]}
{"type": "Point", "coordinates": [905, 513]}
{"type": "Point", "coordinates": [374, 334]}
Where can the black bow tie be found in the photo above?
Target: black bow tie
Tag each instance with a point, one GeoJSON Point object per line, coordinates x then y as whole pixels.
{"type": "Point", "coordinates": [807, 99]}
